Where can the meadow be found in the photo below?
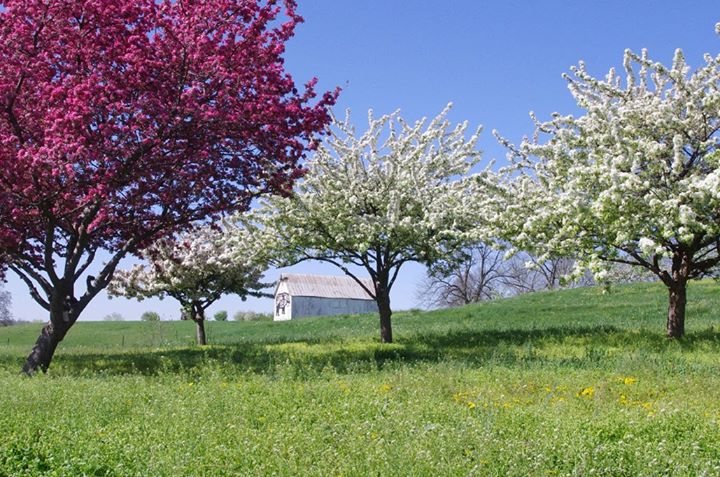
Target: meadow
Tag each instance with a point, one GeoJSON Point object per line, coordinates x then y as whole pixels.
{"type": "Point", "coordinates": [575, 382]}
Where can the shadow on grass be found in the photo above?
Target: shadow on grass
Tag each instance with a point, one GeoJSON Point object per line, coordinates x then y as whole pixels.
{"type": "Point", "coordinates": [569, 347]}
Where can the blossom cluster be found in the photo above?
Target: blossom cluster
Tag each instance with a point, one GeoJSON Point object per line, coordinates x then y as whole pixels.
{"type": "Point", "coordinates": [397, 192]}
{"type": "Point", "coordinates": [122, 122]}
{"type": "Point", "coordinates": [196, 267]}
{"type": "Point", "coordinates": [635, 179]}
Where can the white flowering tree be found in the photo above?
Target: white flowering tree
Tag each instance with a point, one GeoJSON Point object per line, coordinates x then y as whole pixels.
{"type": "Point", "coordinates": [6, 317]}
{"type": "Point", "coordinates": [196, 269]}
{"type": "Point", "coordinates": [634, 180]}
{"type": "Point", "coordinates": [397, 193]}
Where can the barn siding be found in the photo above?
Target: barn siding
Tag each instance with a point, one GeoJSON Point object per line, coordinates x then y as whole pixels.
{"type": "Point", "coordinates": [304, 306]}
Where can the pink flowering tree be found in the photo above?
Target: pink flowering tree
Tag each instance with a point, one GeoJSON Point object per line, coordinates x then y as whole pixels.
{"type": "Point", "coordinates": [124, 122]}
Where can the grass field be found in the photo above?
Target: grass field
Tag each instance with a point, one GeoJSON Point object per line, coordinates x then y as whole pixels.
{"type": "Point", "coordinates": [566, 383]}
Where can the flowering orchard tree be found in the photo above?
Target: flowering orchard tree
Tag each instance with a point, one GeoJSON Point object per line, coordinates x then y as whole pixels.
{"type": "Point", "coordinates": [634, 180]}
{"type": "Point", "coordinates": [196, 269]}
{"type": "Point", "coordinates": [394, 194]}
{"type": "Point", "coordinates": [122, 122]}
{"type": "Point", "coordinates": [6, 317]}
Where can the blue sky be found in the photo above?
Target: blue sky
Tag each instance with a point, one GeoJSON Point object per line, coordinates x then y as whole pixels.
{"type": "Point", "coordinates": [496, 61]}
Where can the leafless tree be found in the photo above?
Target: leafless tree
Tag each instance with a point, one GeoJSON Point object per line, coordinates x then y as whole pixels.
{"type": "Point", "coordinates": [479, 275]}
{"type": "Point", "coordinates": [483, 273]}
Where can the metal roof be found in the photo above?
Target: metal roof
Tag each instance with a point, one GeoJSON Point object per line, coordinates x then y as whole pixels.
{"type": "Point", "coordinates": [326, 286]}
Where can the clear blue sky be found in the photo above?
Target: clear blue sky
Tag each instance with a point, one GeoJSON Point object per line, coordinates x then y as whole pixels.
{"type": "Point", "coordinates": [496, 61]}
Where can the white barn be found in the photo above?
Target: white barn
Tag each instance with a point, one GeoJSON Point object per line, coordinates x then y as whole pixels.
{"type": "Point", "coordinates": [298, 296]}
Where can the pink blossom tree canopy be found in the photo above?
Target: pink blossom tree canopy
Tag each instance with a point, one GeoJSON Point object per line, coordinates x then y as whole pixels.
{"type": "Point", "coordinates": [122, 122]}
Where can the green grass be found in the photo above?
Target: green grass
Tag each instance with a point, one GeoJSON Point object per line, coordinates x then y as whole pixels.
{"type": "Point", "coordinates": [568, 383]}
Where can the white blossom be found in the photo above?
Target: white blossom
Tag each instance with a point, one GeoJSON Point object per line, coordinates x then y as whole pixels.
{"type": "Point", "coordinates": [632, 180]}
{"type": "Point", "coordinates": [396, 193]}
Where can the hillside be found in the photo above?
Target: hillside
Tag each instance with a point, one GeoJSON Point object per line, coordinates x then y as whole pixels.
{"type": "Point", "coordinates": [553, 383]}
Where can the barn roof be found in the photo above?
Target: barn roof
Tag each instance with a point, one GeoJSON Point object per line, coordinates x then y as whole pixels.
{"type": "Point", "coordinates": [325, 286]}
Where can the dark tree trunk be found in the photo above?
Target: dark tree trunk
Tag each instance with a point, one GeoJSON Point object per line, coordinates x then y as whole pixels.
{"type": "Point", "coordinates": [676, 283]}
{"type": "Point", "coordinates": [676, 310]}
{"type": "Point", "coordinates": [64, 307]}
{"type": "Point", "coordinates": [383, 303]}
{"type": "Point", "coordinates": [62, 317]}
{"type": "Point", "coordinates": [200, 331]}
{"type": "Point", "coordinates": [198, 316]}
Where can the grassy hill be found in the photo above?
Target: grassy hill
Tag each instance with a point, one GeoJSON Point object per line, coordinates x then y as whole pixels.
{"type": "Point", "coordinates": [555, 383]}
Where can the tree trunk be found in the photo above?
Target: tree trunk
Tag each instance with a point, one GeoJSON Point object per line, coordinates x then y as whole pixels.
{"type": "Point", "coordinates": [198, 316]}
{"type": "Point", "coordinates": [676, 283]}
{"type": "Point", "coordinates": [676, 310]}
{"type": "Point", "coordinates": [200, 331]}
{"type": "Point", "coordinates": [61, 320]}
{"type": "Point", "coordinates": [383, 303]}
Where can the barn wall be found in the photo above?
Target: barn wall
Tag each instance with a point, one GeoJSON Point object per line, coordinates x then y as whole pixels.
{"type": "Point", "coordinates": [303, 306]}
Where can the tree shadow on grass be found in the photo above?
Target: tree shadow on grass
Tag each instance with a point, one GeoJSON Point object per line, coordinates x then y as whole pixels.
{"type": "Point", "coordinates": [601, 336]}
{"type": "Point", "coordinates": [570, 347]}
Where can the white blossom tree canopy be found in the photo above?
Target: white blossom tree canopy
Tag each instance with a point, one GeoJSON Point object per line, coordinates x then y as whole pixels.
{"type": "Point", "coordinates": [397, 193]}
{"type": "Point", "coordinates": [635, 179]}
{"type": "Point", "coordinates": [6, 317]}
{"type": "Point", "coordinates": [197, 269]}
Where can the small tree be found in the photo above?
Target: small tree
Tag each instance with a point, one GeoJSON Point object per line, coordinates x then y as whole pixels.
{"type": "Point", "coordinates": [150, 316]}
{"type": "Point", "coordinates": [634, 180]}
{"type": "Point", "coordinates": [197, 269]}
{"type": "Point", "coordinates": [115, 316]}
{"type": "Point", "coordinates": [378, 202]}
{"type": "Point", "coordinates": [252, 316]}
{"type": "Point", "coordinates": [123, 122]}
{"type": "Point", "coordinates": [6, 317]}
{"type": "Point", "coordinates": [221, 316]}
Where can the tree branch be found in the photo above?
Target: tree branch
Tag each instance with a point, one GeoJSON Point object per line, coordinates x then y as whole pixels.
{"type": "Point", "coordinates": [33, 290]}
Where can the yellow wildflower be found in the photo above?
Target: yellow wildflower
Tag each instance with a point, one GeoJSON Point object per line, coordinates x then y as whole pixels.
{"type": "Point", "coordinates": [461, 397]}
{"type": "Point", "coordinates": [588, 392]}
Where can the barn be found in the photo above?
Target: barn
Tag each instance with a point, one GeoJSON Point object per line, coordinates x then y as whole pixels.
{"type": "Point", "coordinates": [298, 296]}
